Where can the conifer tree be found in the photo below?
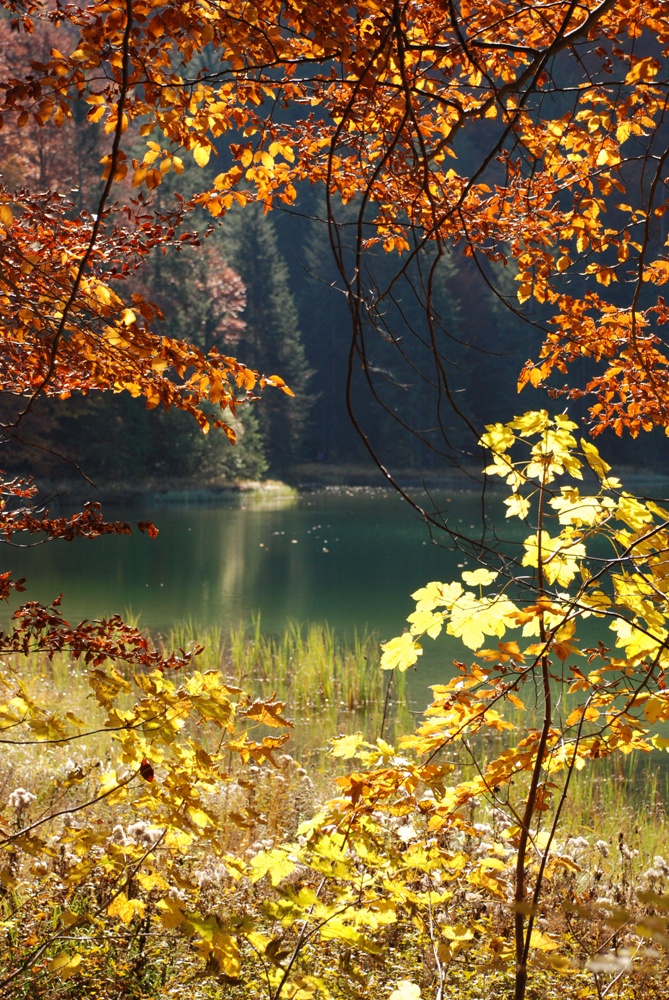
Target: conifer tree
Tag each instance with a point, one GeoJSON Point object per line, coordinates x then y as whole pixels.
{"type": "Point", "coordinates": [271, 329]}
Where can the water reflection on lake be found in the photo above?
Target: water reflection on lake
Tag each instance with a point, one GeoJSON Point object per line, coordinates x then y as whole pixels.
{"type": "Point", "coordinates": [349, 557]}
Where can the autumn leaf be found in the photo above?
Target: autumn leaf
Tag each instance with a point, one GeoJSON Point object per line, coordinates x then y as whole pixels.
{"type": "Point", "coordinates": [656, 708]}
{"type": "Point", "coordinates": [146, 770]}
{"type": "Point", "coordinates": [589, 713]}
{"type": "Point", "coordinates": [644, 68]}
{"type": "Point", "coordinates": [517, 506]}
{"type": "Point", "coordinates": [434, 594]}
{"type": "Point", "coordinates": [479, 577]}
{"type": "Point", "coordinates": [268, 713]}
{"type": "Point", "coordinates": [275, 863]}
{"type": "Point", "coordinates": [201, 154]}
{"type": "Point", "coordinates": [405, 990]}
{"type": "Point", "coordinates": [65, 964]}
{"type": "Point", "coordinates": [348, 746]}
{"type": "Point", "coordinates": [125, 909]}
{"type": "Point", "coordinates": [400, 653]}
{"type": "Point", "coordinates": [543, 942]}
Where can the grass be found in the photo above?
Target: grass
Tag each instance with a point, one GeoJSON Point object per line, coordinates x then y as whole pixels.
{"type": "Point", "coordinates": [329, 687]}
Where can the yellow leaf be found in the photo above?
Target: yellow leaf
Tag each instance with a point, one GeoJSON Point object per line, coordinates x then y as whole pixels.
{"type": "Point", "coordinates": [543, 942]}
{"type": "Point", "coordinates": [590, 713]}
{"type": "Point", "coordinates": [524, 292]}
{"type": "Point", "coordinates": [201, 155]}
{"type": "Point", "coordinates": [498, 437]}
{"type": "Point", "coordinates": [103, 294]}
{"type": "Point", "coordinates": [458, 932]}
{"type": "Point", "coordinates": [199, 817]}
{"type": "Point", "coordinates": [435, 593]}
{"type": "Point", "coordinates": [496, 863]}
{"type": "Point", "coordinates": [269, 713]}
{"type": "Point", "coordinates": [107, 781]}
{"type": "Point", "coordinates": [405, 990]}
{"type": "Point", "coordinates": [530, 423]}
{"type": "Point", "coordinates": [275, 863]}
{"type": "Point", "coordinates": [64, 964]}
{"type": "Point", "coordinates": [594, 459]}
{"type": "Point", "coordinates": [517, 506]}
{"type": "Point", "coordinates": [656, 708]}
{"type": "Point", "coordinates": [401, 653]}
{"type": "Point", "coordinates": [478, 577]}
{"type": "Point", "coordinates": [170, 914]}
{"type": "Point", "coordinates": [125, 909]}
{"type": "Point", "coordinates": [151, 880]}
{"type": "Point", "coordinates": [473, 618]}
{"type": "Point", "coordinates": [426, 622]}
{"type": "Point", "coordinates": [623, 132]}
{"type": "Point", "coordinates": [660, 742]}
{"type": "Point", "coordinates": [560, 557]}
{"type": "Point", "coordinates": [560, 963]}
{"type": "Point", "coordinates": [642, 69]}
{"type": "Point", "coordinates": [347, 746]}
{"type": "Point", "coordinates": [6, 217]}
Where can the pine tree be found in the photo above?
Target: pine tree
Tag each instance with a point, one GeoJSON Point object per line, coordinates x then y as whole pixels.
{"type": "Point", "coordinates": [271, 336]}
{"type": "Point", "coordinates": [404, 380]}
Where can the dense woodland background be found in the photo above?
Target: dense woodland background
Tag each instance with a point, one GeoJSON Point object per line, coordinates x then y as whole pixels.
{"type": "Point", "coordinates": [265, 288]}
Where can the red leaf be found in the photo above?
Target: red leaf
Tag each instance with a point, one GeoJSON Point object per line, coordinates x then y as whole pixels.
{"type": "Point", "coordinates": [146, 770]}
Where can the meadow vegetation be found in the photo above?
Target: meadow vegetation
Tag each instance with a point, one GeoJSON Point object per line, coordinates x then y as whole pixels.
{"type": "Point", "coordinates": [612, 850]}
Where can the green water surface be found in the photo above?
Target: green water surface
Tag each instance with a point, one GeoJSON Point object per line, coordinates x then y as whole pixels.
{"type": "Point", "coordinates": [348, 557]}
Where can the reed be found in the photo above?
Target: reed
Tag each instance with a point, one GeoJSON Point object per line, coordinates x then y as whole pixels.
{"type": "Point", "coordinates": [622, 801]}
{"type": "Point", "coordinates": [307, 666]}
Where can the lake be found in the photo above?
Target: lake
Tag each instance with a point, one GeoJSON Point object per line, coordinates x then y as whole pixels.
{"type": "Point", "coordinates": [350, 557]}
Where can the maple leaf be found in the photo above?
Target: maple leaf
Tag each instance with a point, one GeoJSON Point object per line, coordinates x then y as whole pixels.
{"type": "Point", "coordinates": [433, 594]}
{"type": "Point", "coordinates": [405, 990]}
{"type": "Point", "coordinates": [425, 622]}
{"type": "Point", "coordinates": [473, 618]}
{"type": "Point", "coordinates": [400, 653]}
{"type": "Point", "coordinates": [125, 909]}
{"type": "Point", "coordinates": [518, 506]}
{"type": "Point", "coordinates": [348, 746]}
{"type": "Point", "coordinates": [65, 964]}
{"type": "Point", "coordinates": [268, 713]}
{"type": "Point", "coordinates": [275, 863]}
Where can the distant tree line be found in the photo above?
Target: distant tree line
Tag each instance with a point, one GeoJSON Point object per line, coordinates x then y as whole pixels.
{"type": "Point", "coordinates": [265, 288]}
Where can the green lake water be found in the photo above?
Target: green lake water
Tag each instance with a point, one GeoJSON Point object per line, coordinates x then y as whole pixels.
{"type": "Point", "coordinates": [349, 557]}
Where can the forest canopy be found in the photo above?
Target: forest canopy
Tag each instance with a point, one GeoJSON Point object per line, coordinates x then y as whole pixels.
{"type": "Point", "coordinates": [529, 140]}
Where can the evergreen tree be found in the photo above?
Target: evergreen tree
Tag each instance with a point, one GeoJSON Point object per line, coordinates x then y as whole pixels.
{"type": "Point", "coordinates": [271, 338]}
{"type": "Point", "coordinates": [403, 380]}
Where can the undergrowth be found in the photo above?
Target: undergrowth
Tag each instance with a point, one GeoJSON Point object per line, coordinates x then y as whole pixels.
{"type": "Point", "coordinates": [612, 855]}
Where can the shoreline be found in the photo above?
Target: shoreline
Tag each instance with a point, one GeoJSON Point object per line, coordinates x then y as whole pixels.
{"type": "Point", "coordinates": [300, 480]}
